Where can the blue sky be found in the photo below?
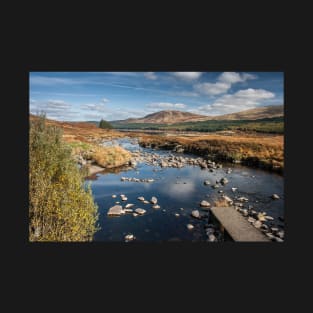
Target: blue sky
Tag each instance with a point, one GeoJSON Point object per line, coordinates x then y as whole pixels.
{"type": "Point", "coordinates": [81, 96]}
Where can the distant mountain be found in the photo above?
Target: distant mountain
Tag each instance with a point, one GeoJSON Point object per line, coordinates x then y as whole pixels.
{"type": "Point", "coordinates": [173, 117]}
{"type": "Point", "coordinates": [253, 114]}
{"type": "Point", "coordinates": [165, 117]}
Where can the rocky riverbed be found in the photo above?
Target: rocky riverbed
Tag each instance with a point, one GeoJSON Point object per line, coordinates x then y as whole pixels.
{"type": "Point", "coordinates": [167, 195]}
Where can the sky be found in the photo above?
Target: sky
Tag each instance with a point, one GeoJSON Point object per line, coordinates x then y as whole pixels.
{"type": "Point", "coordinates": [91, 96]}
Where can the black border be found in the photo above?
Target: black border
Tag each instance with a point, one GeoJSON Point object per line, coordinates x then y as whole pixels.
{"type": "Point", "coordinates": [181, 263]}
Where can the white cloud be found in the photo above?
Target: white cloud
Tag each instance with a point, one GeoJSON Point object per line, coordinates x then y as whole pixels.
{"type": "Point", "coordinates": [212, 89]}
{"type": "Point", "coordinates": [223, 83]}
{"type": "Point", "coordinates": [93, 107]}
{"type": "Point", "coordinates": [54, 109]}
{"type": "Point", "coordinates": [187, 76]}
{"type": "Point", "coordinates": [233, 77]}
{"type": "Point", "coordinates": [239, 101]}
{"type": "Point", "coordinates": [166, 105]}
{"type": "Point", "coordinates": [105, 100]}
{"type": "Point", "coordinates": [150, 75]}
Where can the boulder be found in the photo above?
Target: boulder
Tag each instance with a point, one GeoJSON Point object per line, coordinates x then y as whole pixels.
{"type": "Point", "coordinates": [154, 200]}
{"type": "Point", "coordinates": [140, 211]}
{"type": "Point", "coordinates": [195, 213]}
{"type": "Point", "coordinates": [129, 237]}
{"type": "Point", "coordinates": [205, 204]}
{"type": "Point", "coordinates": [224, 181]}
{"type": "Point", "coordinates": [116, 210]}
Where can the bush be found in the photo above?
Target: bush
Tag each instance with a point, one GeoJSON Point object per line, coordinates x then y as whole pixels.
{"type": "Point", "coordinates": [60, 207]}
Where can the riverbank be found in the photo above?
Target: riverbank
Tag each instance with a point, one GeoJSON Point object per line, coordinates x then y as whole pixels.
{"type": "Point", "coordinates": [255, 150]}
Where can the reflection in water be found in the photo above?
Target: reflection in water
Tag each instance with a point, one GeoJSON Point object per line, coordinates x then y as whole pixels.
{"type": "Point", "coordinates": [176, 188]}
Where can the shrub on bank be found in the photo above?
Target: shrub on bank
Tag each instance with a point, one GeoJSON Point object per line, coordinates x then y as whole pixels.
{"type": "Point", "coordinates": [110, 157]}
{"type": "Point", "coordinates": [60, 208]}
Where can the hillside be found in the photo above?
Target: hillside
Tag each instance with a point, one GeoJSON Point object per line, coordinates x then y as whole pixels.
{"type": "Point", "coordinates": [165, 117]}
{"type": "Point", "coordinates": [254, 114]}
{"type": "Point", "coordinates": [174, 117]}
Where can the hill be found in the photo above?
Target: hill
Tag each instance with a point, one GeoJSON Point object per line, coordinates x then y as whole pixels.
{"type": "Point", "coordinates": [174, 117]}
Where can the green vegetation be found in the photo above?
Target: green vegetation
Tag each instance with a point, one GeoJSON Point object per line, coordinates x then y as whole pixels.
{"type": "Point", "coordinates": [60, 207]}
{"type": "Point", "coordinates": [105, 125]}
{"type": "Point", "coordinates": [267, 125]}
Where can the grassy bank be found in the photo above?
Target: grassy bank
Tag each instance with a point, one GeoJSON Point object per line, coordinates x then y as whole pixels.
{"type": "Point", "coordinates": [260, 151]}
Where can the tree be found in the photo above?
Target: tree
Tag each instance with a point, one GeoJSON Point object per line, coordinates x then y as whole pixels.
{"type": "Point", "coordinates": [105, 125]}
{"type": "Point", "coordinates": [61, 208]}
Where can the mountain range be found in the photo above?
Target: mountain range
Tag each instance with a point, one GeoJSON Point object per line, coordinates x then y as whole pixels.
{"type": "Point", "coordinates": [173, 116]}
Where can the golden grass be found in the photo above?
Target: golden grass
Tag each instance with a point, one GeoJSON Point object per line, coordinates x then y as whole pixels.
{"type": "Point", "coordinates": [110, 157]}
{"type": "Point", "coordinates": [264, 150]}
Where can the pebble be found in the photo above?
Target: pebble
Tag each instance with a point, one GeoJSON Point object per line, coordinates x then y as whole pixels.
{"type": "Point", "coordinates": [154, 200]}
{"type": "Point", "coordinates": [212, 238]}
{"type": "Point", "coordinates": [129, 237]}
{"type": "Point", "coordinates": [275, 196]}
{"type": "Point", "coordinates": [204, 203]}
{"type": "Point", "coordinates": [195, 213]}
{"type": "Point", "coordinates": [140, 211]}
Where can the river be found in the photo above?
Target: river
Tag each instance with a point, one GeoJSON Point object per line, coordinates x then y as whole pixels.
{"type": "Point", "coordinates": [179, 191]}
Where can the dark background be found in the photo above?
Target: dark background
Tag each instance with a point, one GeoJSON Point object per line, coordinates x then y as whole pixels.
{"type": "Point", "coordinates": [243, 275]}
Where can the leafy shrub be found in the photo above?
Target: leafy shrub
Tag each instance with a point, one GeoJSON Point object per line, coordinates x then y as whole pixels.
{"type": "Point", "coordinates": [60, 207]}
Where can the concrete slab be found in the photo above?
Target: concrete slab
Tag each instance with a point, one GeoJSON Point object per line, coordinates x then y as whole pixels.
{"type": "Point", "coordinates": [238, 228]}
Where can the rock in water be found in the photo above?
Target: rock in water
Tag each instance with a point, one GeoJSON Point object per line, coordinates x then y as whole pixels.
{"type": "Point", "coordinates": [145, 201]}
{"type": "Point", "coordinates": [154, 200]}
{"type": "Point", "coordinates": [176, 214]}
{"type": "Point", "coordinates": [207, 182]}
{"type": "Point", "coordinates": [212, 238]}
{"type": "Point", "coordinates": [129, 205]}
{"type": "Point", "coordinates": [128, 210]}
{"type": "Point", "coordinates": [275, 196]}
{"type": "Point", "coordinates": [205, 204]}
{"type": "Point", "coordinates": [141, 198]}
{"type": "Point", "coordinates": [156, 206]}
{"type": "Point", "coordinates": [229, 200]}
{"type": "Point", "coordinates": [140, 211]}
{"type": "Point", "coordinates": [234, 189]}
{"type": "Point", "coordinates": [129, 237]}
{"type": "Point", "coordinates": [224, 181]}
{"type": "Point", "coordinates": [195, 213]}
{"type": "Point", "coordinates": [116, 210]}
{"type": "Point", "coordinates": [190, 226]}
{"type": "Point", "coordinates": [135, 214]}
{"type": "Point", "coordinates": [113, 196]}
{"type": "Point", "coordinates": [123, 198]}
